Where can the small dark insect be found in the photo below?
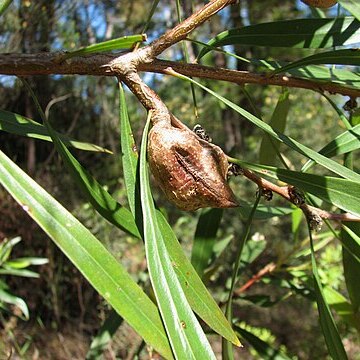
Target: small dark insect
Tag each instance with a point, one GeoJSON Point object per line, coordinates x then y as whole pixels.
{"type": "Point", "coordinates": [201, 133]}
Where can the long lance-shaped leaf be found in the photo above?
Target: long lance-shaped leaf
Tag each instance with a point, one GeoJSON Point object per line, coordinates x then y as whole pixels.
{"type": "Point", "coordinates": [350, 236]}
{"type": "Point", "coordinates": [353, 6]}
{"type": "Point", "coordinates": [196, 293]}
{"type": "Point", "coordinates": [4, 4]}
{"type": "Point", "coordinates": [101, 269]}
{"type": "Point", "coordinates": [343, 193]}
{"type": "Point", "coordinates": [346, 142]}
{"type": "Point", "coordinates": [129, 153]}
{"type": "Point", "coordinates": [101, 200]}
{"type": "Point", "coordinates": [336, 57]}
{"type": "Point", "coordinates": [265, 351]}
{"type": "Point", "coordinates": [328, 325]}
{"type": "Point", "coordinates": [226, 346]}
{"type": "Point", "coordinates": [204, 239]}
{"type": "Point", "coordinates": [185, 334]}
{"type": "Point", "coordinates": [104, 336]}
{"type": "Point", "coordinates": [313, 72]}
{"type": "Point", "coordinates": [269, 148]}
{"type": "Point", "coordinates": [299, 33]}
{"type": "Point", "coordinates": [23, 126]}
{"type": "Point", "coordinates": [295, 145]}
{"type": "Point", "coordinates": [125, 42]}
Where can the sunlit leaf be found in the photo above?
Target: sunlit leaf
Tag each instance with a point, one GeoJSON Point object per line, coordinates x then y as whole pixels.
{"type": "Point", "coordinates": [196, 293]}
{"type": "Point", "coordinates": [4, 4]}
{"type": "Point", "coordinates": [343, 193]}
{"type": "Point", "coordinates": [185, 334]}
{"type": "Point", "coordinates": [346, 142]}
{"type": "Point", "coordinates": [295, 145]}
{"type": "Point", "coordinates": [101, 269]}
{"type": "Point", "coordinates": [353, 6]}
{"type": "Point", "coordinates": [125, 42]}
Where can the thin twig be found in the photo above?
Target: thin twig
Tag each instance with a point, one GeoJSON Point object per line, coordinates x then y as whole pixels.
{"type": "Point", "coordinates": [313, 214]}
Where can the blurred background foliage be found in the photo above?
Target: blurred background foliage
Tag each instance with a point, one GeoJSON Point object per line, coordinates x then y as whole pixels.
{"type": "Point", "coordinates": [62, 305]}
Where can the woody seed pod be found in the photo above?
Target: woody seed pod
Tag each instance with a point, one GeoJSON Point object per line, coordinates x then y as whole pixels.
{"type": "Point", "coordinates": [191, 171]}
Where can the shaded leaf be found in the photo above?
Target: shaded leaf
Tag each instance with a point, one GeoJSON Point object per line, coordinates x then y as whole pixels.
{"type": "Point", "coordinates": [263, 212]}
{"type": "Point", "coordinates": [299, 33]}
{"type": "Point", "coordinates": [338, 57]}
{"type": "Point", "coordinates": [205, 237]}
{"type": "Point", "coordinates": [350, 236]}
{"type": "Point", "coordinates": [4, 4]}
{"type": "Point", "coordinates": [8, 298]}
{"type": "Point", "coordinates": [104, 336]}
{"type": "Point", "coordinates": [266, 351]}
{"type": "Point", "coordinates": [328, 325]}
{"type": "Point", "coordinates": [23, 126]}
{"type": "Point", "coordinates": [269, 148]}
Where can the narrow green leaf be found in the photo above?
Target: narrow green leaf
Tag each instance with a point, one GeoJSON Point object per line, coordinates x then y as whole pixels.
{"type": "Point", "coordinates": [104, 336]}
{"type": "Point", "coordinates": [226, 346]}
{"type": "Point", "coordinates": [14, 300]}
{"type": "Point", "coordinates": [269, 148]}
{"type": "Point", "coordinates": [101, 269]}
{"type": "Point", "coordinates": [6, 248]}
{"type": "Point", "coordinates": [263, 212]}
{"type": "Point", "coordinates": [295, 145]}
{"type": "Point", "coordinates": [299, 33]}
{"type": "Point", "coordinates": [186, 337]}
{"type": "Point", "coordinates": [351, 240]}
{"type": "Point", "coordinates": [4, 4]}
{"type": "Point", "coordinates": [196, 293]}
{"type": "Point", "coordinates": [23, 126]}
{"type": "Point", "coordinates": [350, 236]}
{"type": "Point", "coordinates": [343, 193]}
{"type": "Point", "coordinates": [342, 306]}
{"type": "Point", "coordinates": [129, 152]}
{"type": "Point", "coordinates": [205, 237]}
{"type": "Point", "coordinates": [21, 263]}
{"type": "Point", "coordinates": [101, 200]}
{"type": "Point", "coordinates": [346, 142]}
{"type": "Point", "coordinates": [337, 57]}
{"type": "Point", "coordinates": [7, 270]}
{"type": "Point", "coordinates": [125, 42]}
{"type": "Point", "coordinates": [328, 325]}
{"type": "Point", "coordinates": [198, 296]}
{"type": "Point", "coordinates": [353, 6]}
{"type": "Point", "coordinates": [265, 351]}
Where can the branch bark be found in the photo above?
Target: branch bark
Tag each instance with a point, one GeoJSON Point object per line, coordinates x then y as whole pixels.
{"type": "Point", "coordinates": [102, 65]}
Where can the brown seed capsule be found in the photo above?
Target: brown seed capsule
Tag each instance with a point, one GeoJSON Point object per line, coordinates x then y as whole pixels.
{"type": "Point", "coordinates": [320, 3]}
{"type": "Point", "coordinates": [190, 171]}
